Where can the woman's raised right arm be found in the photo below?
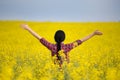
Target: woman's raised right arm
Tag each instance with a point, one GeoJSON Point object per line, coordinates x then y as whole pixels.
{"type": "Point", "coordinates": [26, 27]}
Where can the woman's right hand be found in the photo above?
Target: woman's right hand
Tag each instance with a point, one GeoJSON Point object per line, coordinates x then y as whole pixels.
{"type": "Point", "coordinates": [98, 32]}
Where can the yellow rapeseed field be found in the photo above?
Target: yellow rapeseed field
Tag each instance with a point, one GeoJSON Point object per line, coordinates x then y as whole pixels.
{"type": "Point", "coordinates": [23, 57]}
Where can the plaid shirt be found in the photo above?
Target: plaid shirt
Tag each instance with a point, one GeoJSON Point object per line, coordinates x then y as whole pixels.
{"type": "Point", "coordinates": [65, 47]}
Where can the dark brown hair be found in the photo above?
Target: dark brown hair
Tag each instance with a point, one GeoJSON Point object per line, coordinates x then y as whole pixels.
{"type": "Point", "coordinates": [59, 37]}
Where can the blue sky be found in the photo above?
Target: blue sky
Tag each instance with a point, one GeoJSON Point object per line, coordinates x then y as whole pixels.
{"type": "Point", "coordinates": [60, 10]}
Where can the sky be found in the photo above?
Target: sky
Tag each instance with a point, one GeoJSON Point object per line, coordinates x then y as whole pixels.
{"type": "Point", "coordinates": [60, 10]}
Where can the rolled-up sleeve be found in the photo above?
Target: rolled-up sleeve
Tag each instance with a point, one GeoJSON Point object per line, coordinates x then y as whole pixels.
{"type": "Point", "coordinates": [72, 45]}
{"type": "Point", "coordinates": [46, 43]}
{"type": "Point", "coordinates": [79, 42]}
{"type": "Point", "coordinates": [76, 43]}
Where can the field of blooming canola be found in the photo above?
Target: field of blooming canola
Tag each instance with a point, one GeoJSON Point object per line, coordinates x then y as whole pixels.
{"type": "Point", "coordinates": [23, 57]}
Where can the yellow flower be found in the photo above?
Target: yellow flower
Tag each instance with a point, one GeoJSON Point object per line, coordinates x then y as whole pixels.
{"type": "Point", "coordinates": [61, 53]}
{"type": "Point", "coordinates": [54, 59]}
{"type": "Point", "coordinates": [75, 44]}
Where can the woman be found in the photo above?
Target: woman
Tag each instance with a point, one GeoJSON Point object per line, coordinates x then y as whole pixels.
{"type": "Point", "coordinates": [59, 51]}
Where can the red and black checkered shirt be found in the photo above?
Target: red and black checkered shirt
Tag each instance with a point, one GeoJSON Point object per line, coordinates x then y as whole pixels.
{"type": "Point", "coordinates": [65, 47]}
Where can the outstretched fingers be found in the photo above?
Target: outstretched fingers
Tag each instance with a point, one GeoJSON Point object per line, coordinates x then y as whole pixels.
{"type": "Point", "coordinates": [24, 26]}
{"type": "Point", "coordinates": [97, 32]}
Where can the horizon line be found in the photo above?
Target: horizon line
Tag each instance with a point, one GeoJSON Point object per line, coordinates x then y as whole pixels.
{"type": "Point", "coordinates": [51, 21]}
